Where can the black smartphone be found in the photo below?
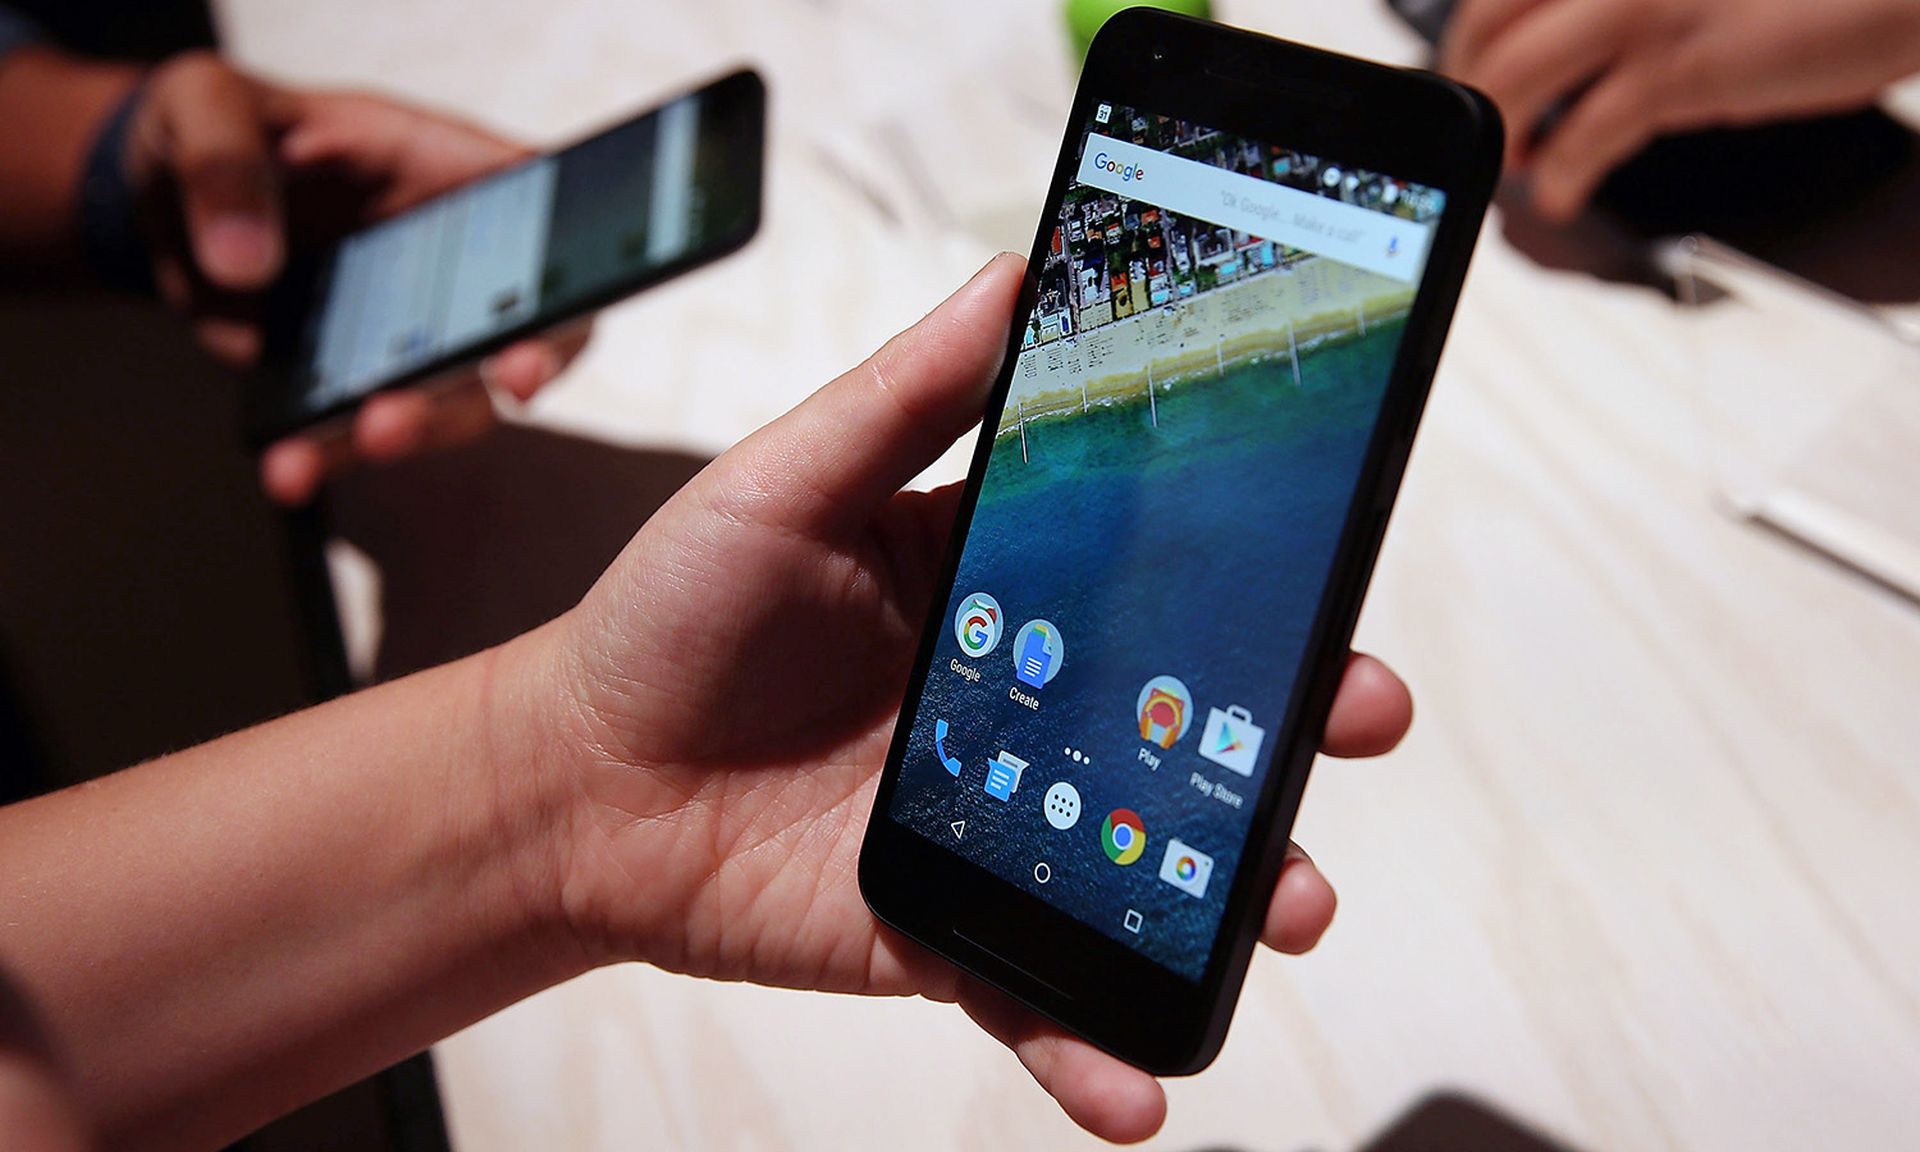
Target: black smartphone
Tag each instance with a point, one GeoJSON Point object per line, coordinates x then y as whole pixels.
{"type": "Point", "coordinates": [1234, 306]}
{"type": "Point", "coordinates": [429, 291]}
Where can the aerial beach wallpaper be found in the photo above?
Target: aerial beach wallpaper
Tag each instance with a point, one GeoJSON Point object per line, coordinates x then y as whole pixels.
{"type": "Point", "coordinates": [1168, 480]}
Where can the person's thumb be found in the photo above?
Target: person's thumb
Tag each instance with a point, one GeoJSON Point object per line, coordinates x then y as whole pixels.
{"type": "Point", "coordinates": [216, 124]}
{"type": "Point", "coordinates": [854, 443]}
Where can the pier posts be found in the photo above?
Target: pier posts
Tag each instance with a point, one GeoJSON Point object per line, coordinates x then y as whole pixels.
{"type": "Point", "coordinates": [1293, 351]}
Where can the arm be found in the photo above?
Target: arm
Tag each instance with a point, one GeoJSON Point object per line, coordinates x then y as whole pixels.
{"type": "Point", "coordinates": [53, 106]}
{"type": "Point", "coordinates": [217, 936]}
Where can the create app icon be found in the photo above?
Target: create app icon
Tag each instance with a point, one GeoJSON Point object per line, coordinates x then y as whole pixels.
{"type": "Point", "coordinates": [1038, 653]}
{"type": "Point", "coordinates": [1165, 707]}
{"type": "Point", "coordinates": [977, 625]}
{"type": "Point", "coordinates": [1123, 836]}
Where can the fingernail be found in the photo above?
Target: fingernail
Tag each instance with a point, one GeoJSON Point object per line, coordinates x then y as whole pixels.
{"type": "Point", "coordinates": [240, 249]}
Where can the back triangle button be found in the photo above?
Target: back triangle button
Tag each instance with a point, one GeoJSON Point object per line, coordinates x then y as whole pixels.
{"type": "Point", "coordinates": [959, 828]}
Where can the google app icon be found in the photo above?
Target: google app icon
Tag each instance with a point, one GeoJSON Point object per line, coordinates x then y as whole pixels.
{"type": "Point", "coordinates": [977, 625]}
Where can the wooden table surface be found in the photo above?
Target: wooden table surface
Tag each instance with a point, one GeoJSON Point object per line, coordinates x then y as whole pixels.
{"type": "Point", "coordinates": [1642, 877]}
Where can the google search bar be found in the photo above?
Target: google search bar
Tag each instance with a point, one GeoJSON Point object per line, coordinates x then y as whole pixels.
{"type": "Point", "coordinates": [1345, 232]}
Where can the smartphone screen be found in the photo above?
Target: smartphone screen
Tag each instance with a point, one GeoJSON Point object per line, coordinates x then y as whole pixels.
{"type": "Point", "coordinates": [1216, 322]}
{"type": "Point", "coordinates": [532, 245]}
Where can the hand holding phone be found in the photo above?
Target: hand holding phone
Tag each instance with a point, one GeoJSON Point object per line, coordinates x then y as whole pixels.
{"type": "Point", "coordinates": [230, 173]}
{"type": "Point", "coordinates": [415, 300]}
{"type": "Point", "coordinates": [729, 686]}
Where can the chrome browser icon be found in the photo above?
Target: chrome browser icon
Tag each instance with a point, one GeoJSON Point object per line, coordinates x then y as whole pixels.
{"type": "Point", "coordinates": [978, 624]}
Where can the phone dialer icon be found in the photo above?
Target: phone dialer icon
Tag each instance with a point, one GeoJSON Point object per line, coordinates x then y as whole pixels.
{"type": "Point", "coordinates": [950, 763]}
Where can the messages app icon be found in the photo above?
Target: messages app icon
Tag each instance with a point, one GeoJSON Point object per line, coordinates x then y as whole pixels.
{"type": "Point", "coordinates": [1003, 775]}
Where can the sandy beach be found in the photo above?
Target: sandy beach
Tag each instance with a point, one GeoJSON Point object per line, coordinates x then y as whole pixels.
{"type": "Point", "coordinates": [1323, 298]}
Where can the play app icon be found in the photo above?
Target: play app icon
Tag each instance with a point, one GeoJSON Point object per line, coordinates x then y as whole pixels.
{"type": "Point", "coordinates": [1165, 709]}
{"type": "Point", "coordinates": [1232, 739]}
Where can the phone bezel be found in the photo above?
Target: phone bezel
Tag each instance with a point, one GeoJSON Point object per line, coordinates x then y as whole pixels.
{"type": "Point", "coordinates": [1414, 126]}
{"type": "Point", "coordinates": [275, 399]}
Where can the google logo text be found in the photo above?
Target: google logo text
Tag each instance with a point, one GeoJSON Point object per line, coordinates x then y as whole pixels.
{"type": "Point", "coordinates": [1106, 163]}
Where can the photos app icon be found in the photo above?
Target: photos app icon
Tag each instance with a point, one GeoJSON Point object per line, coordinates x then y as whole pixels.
{"type": "Point", "coordinates": [1186, 867]}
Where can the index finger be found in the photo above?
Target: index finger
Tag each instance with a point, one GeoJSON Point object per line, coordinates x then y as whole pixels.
{"type": "Point", "coordinates": [1476, 24]}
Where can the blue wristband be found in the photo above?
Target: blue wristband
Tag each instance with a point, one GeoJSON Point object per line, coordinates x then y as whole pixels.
{"type": "Point", "coordinates": [109, 223]}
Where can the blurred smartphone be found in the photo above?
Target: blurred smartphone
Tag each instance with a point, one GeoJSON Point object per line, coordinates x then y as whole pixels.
{"type": "Point", "coordinates": [1243, 275]}
{"type": "Point", "coordinates": [424, 294]}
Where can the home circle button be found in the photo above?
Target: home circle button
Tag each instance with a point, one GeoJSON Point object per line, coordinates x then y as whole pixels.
{"type": "Point", "coordinates": [1042, 872]}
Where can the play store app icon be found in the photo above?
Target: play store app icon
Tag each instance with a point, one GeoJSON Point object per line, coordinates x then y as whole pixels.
{"type": "Point", "coordinates": [1232, 739]}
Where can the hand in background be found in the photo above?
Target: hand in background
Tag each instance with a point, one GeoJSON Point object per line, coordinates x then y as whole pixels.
{"type": "Point", "coordinates": [233, 172]}
{"type": "Point", "coordinates": [727, 691]}
{"type": "Point", "coordinates": [1637, 69]}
